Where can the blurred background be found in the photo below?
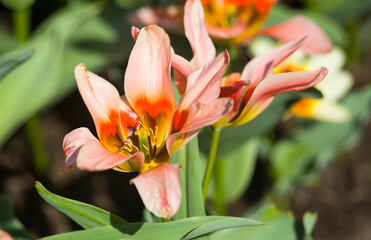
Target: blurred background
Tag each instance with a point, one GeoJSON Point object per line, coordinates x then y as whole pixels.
{"type": "Point", "coordinates": [298, 164]}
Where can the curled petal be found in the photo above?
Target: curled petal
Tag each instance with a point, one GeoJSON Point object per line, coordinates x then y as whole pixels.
{"type": "Point", "coordinates": [72, 143]}
{"type": "Point", "coordinates": [148, 86]}
{"type": "Point", "coordinates": [182, 69]}
{"type": "Point", "coordinates": [199, 116]}
{"type": "Point", "coordinates": [203, 85]}
{"type": "Point", "coordinates": [258, 68]}
{"type": "Point", "coordinates": [135, 32]}
{"type": "Point", "coordinates": [278, 83]}
{"type": "Point", "coordinates": [103, 102]}
{"type": "Point", "coordinates": [317, 41]}
{"type": "Point", "coordinates": [195, 30]}
{"type": "Point", "coordinates": [160, 189]}
{"type": "Point", "coordinates": [93, 156]}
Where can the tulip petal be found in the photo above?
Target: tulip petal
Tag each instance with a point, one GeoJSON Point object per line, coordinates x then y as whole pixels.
{"type": "Point", "coordinates": [195, 30]}
{"type": "Point", "coordinates": [93, 156]}
{"type": "Point", "coordinates": [182, 69]}
{"type": "Point", "coordinates": [135, 32]}
{"type": "Point", "coordinates": [199, 116]}
{"type": "Point", "coordinates": [72, 143]}
{"type": "Point", "coordinates": [257, 69]}
{"type": "Point", "coordinates": [148, 86]}
{"type": "Point", "coordinates": [278, 83]}
{"type": "Point", "coordinates": [320, 109]}
{"type": "Point", "coordinates": [298, 27]}
{"type": "Point", "coordinates": [129, 118]}
{"type": "Point", "coordinates": [203, 85]}
{"type": "Point", "coordinates": [160, 189]}
{"type": "Point", "coordinates": [226, 33]}
{"type": "Point", "coordinates": [103, 102]}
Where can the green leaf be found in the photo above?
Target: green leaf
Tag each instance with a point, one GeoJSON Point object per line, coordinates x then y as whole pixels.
{"type": "Point", "coordinates": [180, 157]}
{"type": "Point", "coordinates": [194, 177]}
{"type": "Point", "coordinates": [11, 60]}
{"type": "Point", "coordinates": [8, 221]}
{"type": "Point", "coordinates": [238, 169]}
{"type": "Point", "coordinates": [316, 144]}
{"type": "Point", "coordinates": [8, 41]}
{"type": "Point", "coordinates": [164, 231]}
{"type": "Point", "coordinates": [279, 225]}
{"type": "Point", "coordinates": [309, 221]}
{"type": "Point", "coordinates": [87, 216]}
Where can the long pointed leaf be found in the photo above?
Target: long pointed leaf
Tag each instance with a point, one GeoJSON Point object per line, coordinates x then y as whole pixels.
{"type": "Point", "coordinates": [87, 216]}
{"type": "Point", "coordinates": [164, 231]}
{"type": "Point", "coordinates": [8, 61]}
{"type": "Point", "coordinates": [180, 157]}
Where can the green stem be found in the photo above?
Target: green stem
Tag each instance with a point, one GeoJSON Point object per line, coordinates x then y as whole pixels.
{"type": "Point", "coordinates": [219, 200]}
{"type": "Point", "coordinates": [165, 220]}
{"type": "Point", "coordinates": [211, 162]}
{"type": "Point", "coordinates": [40, 159]}
{"type": "Point", "coordinates": [22, 24]}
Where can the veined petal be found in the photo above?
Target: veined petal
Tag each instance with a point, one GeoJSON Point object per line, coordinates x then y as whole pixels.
{"type": "Point", "coordinates": [199, 116]}
{"type": "Point", "coordinates": [277, 83]}
{"type": "Point", "coordinates": [321, 110]}
{"type": "Point", "coordinates": [72, 143]}
{"type": "Point", "coordinates": [93, 156]}
{"type": "Point", "coordinates": [182, 69]}
{"type": "Point", "coordinates": [103, 102]}
{"type": "Point", "coordinates": [298, 27]}
{"type": "Point", "coordinates": [203, 85]}
{"type": "Point", "coordinates": [257, 69]}
{"type": "Point", "coordinates": [148, 86]}
{"type": "Point", "coordinates": [195, 30]}
{"type": "Point", "coordinates": [160, 189]}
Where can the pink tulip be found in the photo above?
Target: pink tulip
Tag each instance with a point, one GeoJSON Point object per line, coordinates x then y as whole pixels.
{"type": "Point", "coordinates": [251, 91]}
{"type": "Point", "coordinates": [139, 131]}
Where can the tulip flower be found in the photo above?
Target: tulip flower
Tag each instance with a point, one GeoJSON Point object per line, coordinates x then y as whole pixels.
{"type": "Point", "coordinates": [334, 87]}
{"type": "Point", "coordinates": [139, 131]}
{"type": "Point", "coordinates": [239, 21]}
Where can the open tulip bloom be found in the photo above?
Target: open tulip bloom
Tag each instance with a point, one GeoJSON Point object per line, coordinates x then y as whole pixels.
{"type": "Point", "coordinates": [255, 87]}
{"type": "Point", "coordinates": [139, 131]}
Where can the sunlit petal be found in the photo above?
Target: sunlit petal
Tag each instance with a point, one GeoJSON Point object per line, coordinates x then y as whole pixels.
{"type": "Point", "coordinates": [160, 189]}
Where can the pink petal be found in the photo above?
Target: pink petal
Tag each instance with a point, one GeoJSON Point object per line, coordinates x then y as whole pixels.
{"type": "Point", "coordinates": [182, 69]}
{"type": "Point", "coordinates": [226, 33]}
{"type": "Point", "coordinates": [199, 116]}
{"type": "Point", "coordinates": [135, 32]}
{"type": "Point", "coordinates": [160, 189]}
{"type": "Point", "coordinates": [203, 85]}
{"type": "Point", "coordinates": [102, 100]}
{"type": "Point", "coordinates": [93, 156]}
{"type": "Point", "coordinates": [148, 86]}
{"type": "Point", "coordinates": [72, 143]}
{"type": "Point", "coordinates": [285, 82]}
{"type": "Point", "coordinates": [258, 68]}
{"type": "Point", "coordinates": [317, 41]}
{"type": "Point", "coordinates": [195, 30]}
{"type": "Point", "coordinates": [5, 236]}
{"type": "Point", "coordinates": [129, 118]}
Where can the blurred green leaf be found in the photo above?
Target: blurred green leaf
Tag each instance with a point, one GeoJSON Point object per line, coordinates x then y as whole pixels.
{"type": "Point", "coordinates": [8, 41]}
{"type": "Point", "coordinates": [48, 76]}
{"type": "Point", "coordinates": [87, 216]}
{"type": "Point", "coordinates": [18, 4]}
{"type": "Point", "coordinates": [292, 158]}
{"type": "Point", "coordinates": [8, 221]}
{"type": "Point", "coordinates": [238, 169]}
{"type": "Point", "coordinates": [181, 157]}
{"type": "Point", "coordinates": [11, 60]}
{"type": "Point", "coordinates": [164, 231]}
{"type": "Point", "coordinates": [279, 225]}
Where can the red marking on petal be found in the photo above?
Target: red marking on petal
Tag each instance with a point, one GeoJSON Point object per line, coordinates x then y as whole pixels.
{"type": "Point", "coordinates": [154, 108]}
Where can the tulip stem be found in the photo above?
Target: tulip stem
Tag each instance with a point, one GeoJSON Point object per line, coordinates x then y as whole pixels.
{"type": "Point", "coordinates": [210, 162]}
